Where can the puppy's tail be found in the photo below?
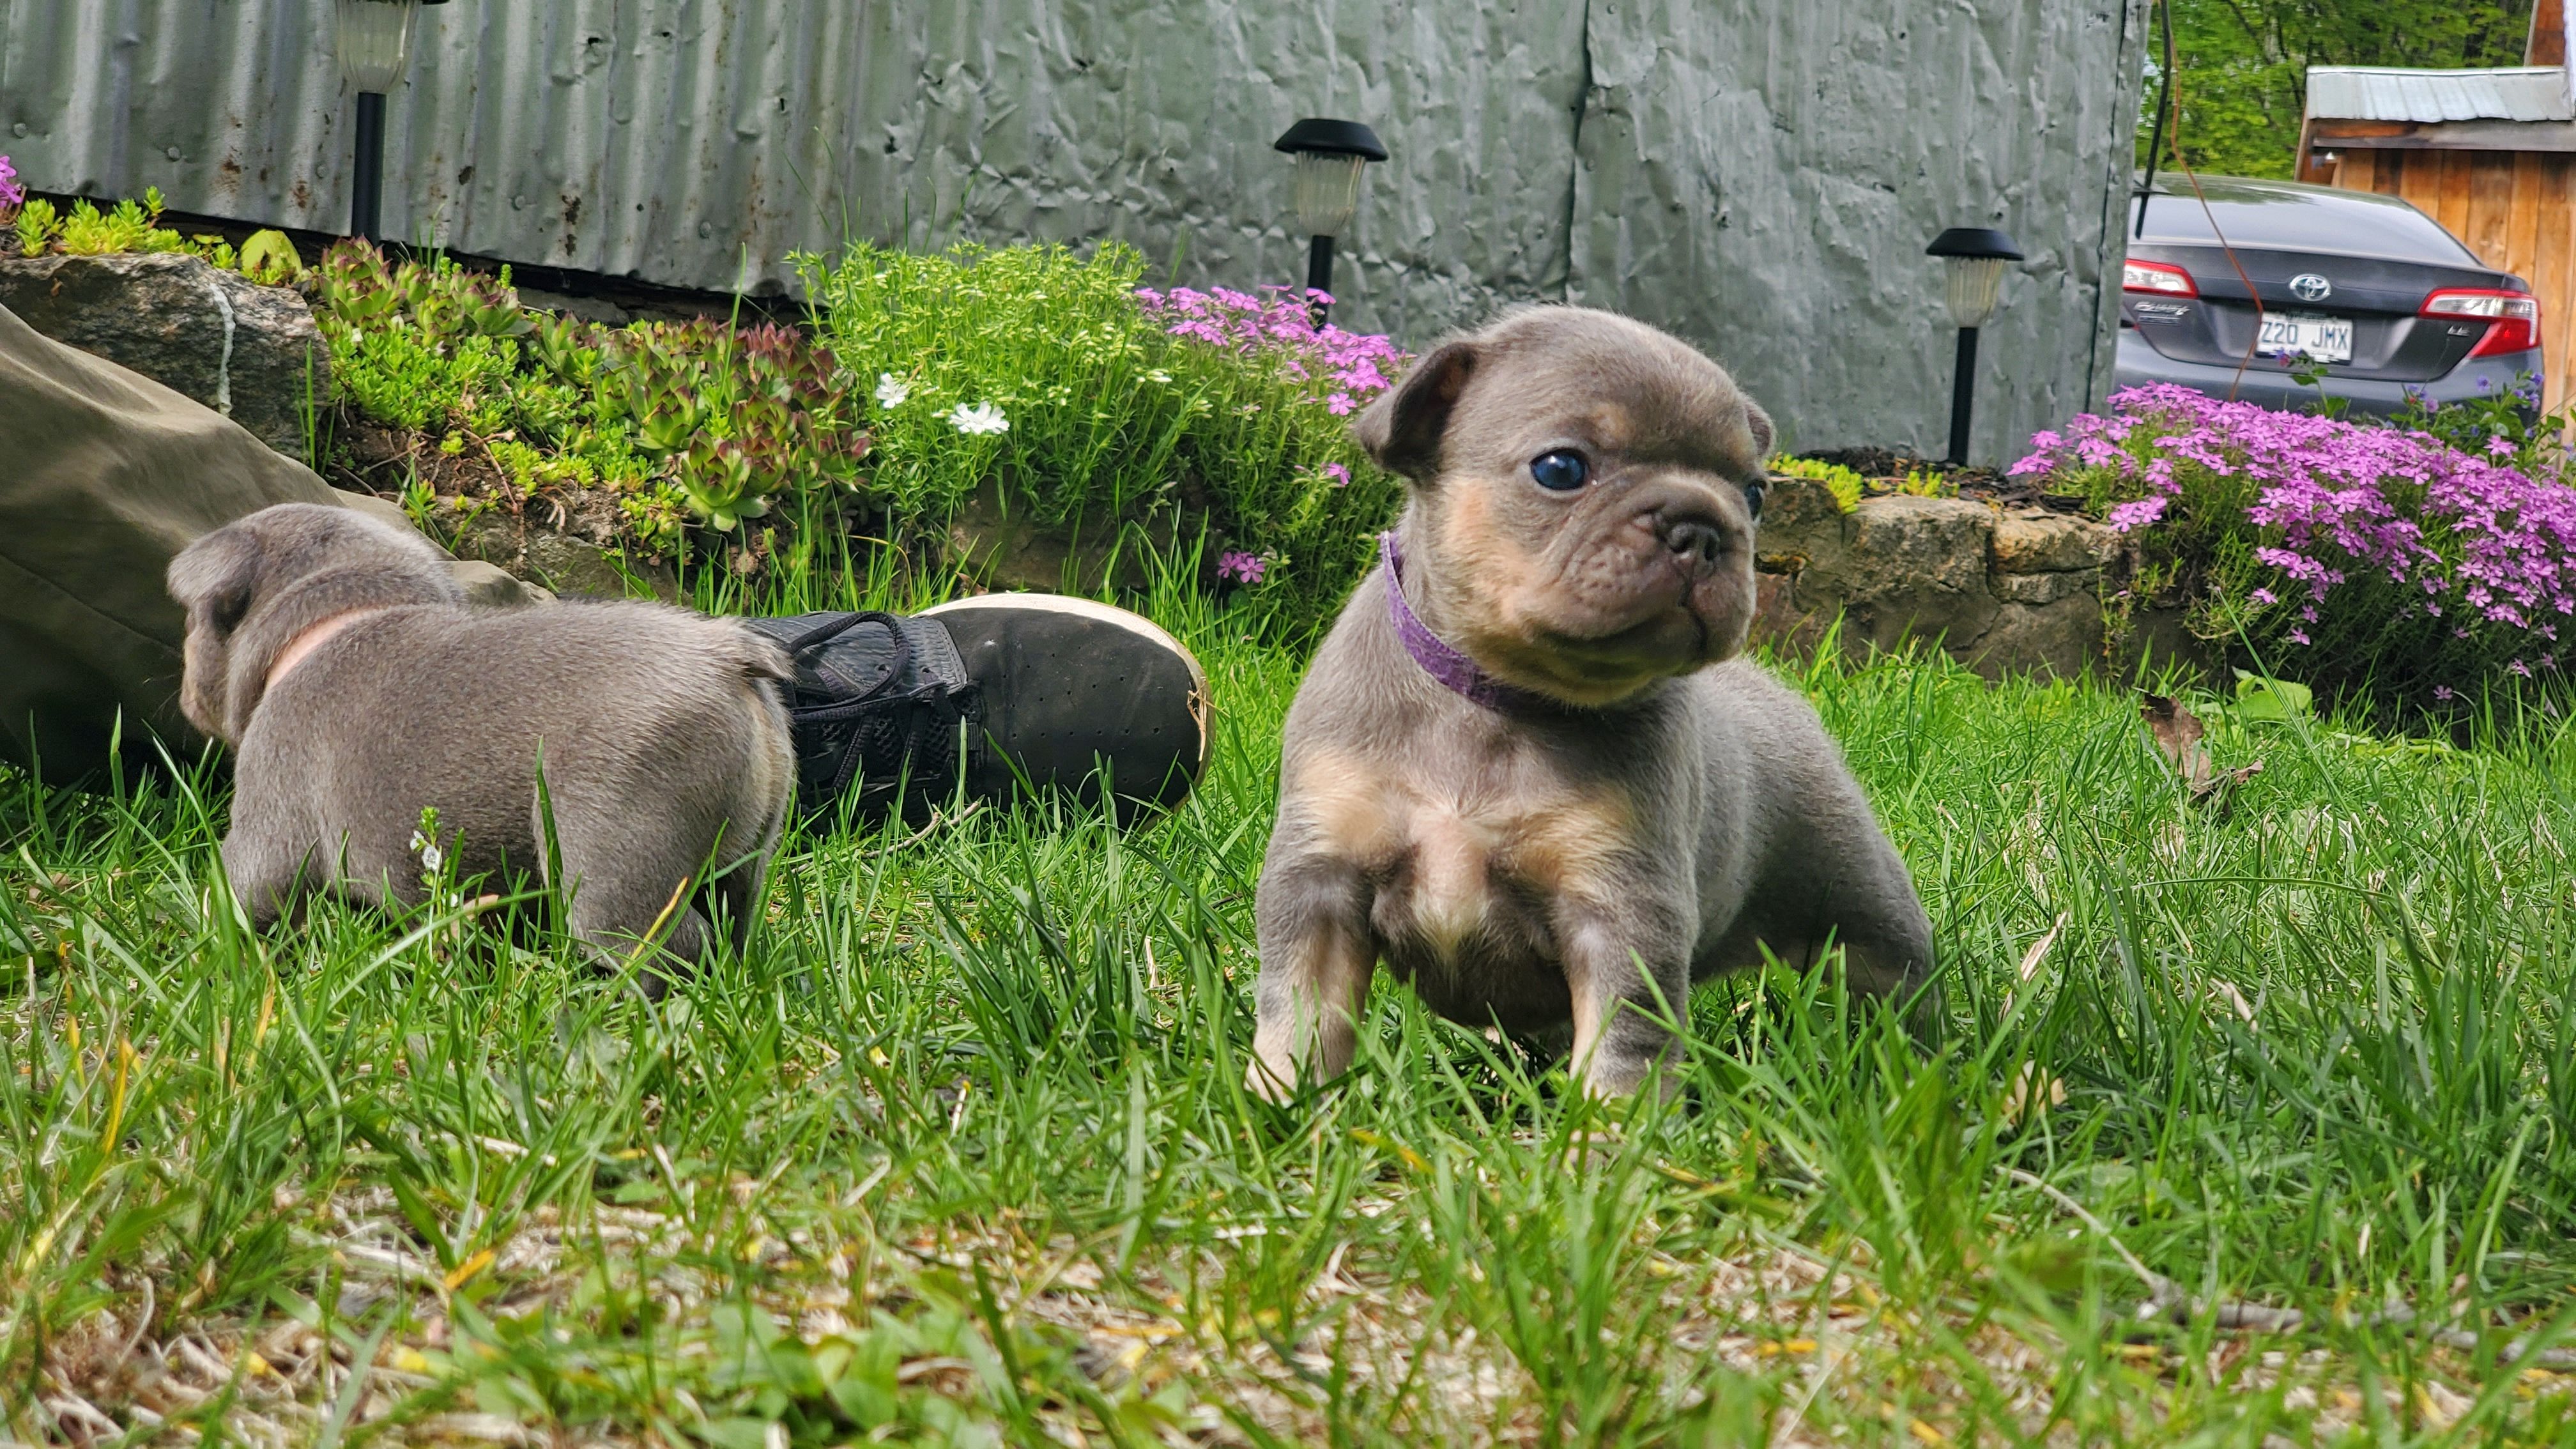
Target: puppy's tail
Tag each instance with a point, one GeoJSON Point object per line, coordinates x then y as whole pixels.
{"type": "Point", "coordinates": [756, 654]}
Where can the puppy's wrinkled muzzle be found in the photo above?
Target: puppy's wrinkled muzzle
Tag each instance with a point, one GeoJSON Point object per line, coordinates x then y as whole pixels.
{"type": "Point", "coordinates": [1650, 579]}
{"type": "Point", "coordinates": [1662, 548]}
{"type": "Point", "coordinates": [1696, 540]}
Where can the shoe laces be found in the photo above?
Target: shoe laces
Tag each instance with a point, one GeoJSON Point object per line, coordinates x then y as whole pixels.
{"type": "Point", "coordinates": [875, 698]}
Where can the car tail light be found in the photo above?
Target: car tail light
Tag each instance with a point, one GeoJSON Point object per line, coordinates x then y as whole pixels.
{"type": "Point", "coordinates": [2161, 279]}
{"type": "Point", "coordinates": [2515, 317]}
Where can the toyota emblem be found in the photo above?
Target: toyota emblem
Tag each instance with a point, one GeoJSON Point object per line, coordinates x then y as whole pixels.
{"type": "Point", "coordinates": [2309, 287]}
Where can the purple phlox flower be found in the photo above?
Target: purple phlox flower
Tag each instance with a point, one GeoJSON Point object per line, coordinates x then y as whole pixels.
{"type": "Point", "coordinates": [2337, 505]}
{"type": "Point", "coordinates": [2445, 693]}
{"type": "Point", "coordinates": [2097, 452]}
{"type": "Point", "coordinates": [2299, 636]}
{"type": "Point", "coordinates": [2137, 514]}
{"type": "Point", "coordinates": [2518, 667]}
{"type": "Point", "coordinates": [1240, 566]}
{"type": "Point", "coordinates": [1279, 326]}
{"type": "Point", "coordinates": [1340, 475]}
{"type": "Point", "coordinates": [12, 195]}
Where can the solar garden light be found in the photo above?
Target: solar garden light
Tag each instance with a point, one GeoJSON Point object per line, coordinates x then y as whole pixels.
{"type": "Point", "coordinates": [1976, 257]}
{"type": "Point", "coordinates": [1330, 156]}
{"type": "Point", "coordinates": [373, 40]}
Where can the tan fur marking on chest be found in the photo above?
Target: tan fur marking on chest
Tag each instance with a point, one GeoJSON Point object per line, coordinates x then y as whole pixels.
{"type": "Point", "coordinates": [1459, 843]}
{"type": "Point", "coordinates": [1350, 802]}
{"type": "Point", "coordinates": [1570, 850]}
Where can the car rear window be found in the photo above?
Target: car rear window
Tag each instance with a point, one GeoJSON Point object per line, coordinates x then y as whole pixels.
{"type": "Point", "coordinates": [2362, 228]}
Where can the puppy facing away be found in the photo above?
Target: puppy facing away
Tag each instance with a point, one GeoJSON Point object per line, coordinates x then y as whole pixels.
{"type": "Point", "coordinates": [334, 654]}
{"type": "Point", "coordinates": [1523, 770]}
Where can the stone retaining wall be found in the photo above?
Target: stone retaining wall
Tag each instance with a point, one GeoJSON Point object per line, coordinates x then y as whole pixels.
{"type": "Point", "coordinates": [2004, 590]}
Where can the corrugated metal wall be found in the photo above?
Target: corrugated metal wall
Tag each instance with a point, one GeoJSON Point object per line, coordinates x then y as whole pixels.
{"type": "Point", "coordinates": [1759, 176]}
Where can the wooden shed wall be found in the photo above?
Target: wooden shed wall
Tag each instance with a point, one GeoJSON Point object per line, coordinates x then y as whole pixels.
{"type": "Point", "coordinates": [2515, 209]}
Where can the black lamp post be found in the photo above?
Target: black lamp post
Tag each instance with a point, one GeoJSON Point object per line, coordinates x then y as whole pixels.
{"type": "Point", "coordinates": [1976, 255]}
{"type": "Point", "coordinates": [373, 39]}
{"type": "Point", "coordinates": [1330, 156]}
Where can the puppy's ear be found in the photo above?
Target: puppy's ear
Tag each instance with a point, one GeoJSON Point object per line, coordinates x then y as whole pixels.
{"type": "Point", "coordinates": [212, 579]}
{"type": "Point", "coordinates": [1402, 429]}
{"type": "Point", "coordinates": [1759, 423]}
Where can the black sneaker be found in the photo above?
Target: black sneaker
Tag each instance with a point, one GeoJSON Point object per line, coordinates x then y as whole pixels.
{"type": "Point", "coordinates": [1012, 694]}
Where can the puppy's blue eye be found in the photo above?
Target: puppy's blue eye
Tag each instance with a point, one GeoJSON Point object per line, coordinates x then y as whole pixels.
{"type": "Point", "coordinates": [1753, 500]}
{"type": "Point", "coordinates": [1560, 471]}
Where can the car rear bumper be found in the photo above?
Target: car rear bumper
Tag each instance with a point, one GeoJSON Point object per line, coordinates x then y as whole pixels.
{"type": "Point", "coordinates": [2266, 385]}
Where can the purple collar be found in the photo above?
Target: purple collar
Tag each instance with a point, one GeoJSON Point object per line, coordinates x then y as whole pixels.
{"type": "Point", "coordinates": [1460, 674]}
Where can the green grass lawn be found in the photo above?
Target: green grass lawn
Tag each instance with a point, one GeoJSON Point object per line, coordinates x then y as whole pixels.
{"type": "Point", "coordinates": [959, 1153]}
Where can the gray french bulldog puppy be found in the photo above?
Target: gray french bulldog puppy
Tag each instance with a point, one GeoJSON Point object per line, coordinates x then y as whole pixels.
{"type": "Point", "coordinates": [1523, 770]}
{"type": "Point", "coordinates": [334, 654]}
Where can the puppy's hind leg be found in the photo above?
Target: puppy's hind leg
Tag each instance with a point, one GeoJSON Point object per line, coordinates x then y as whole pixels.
{"type": "Point", "coordinates": [268, 869]}
{"type": "Point", "coordinates": [756, 820]}
{"type": "Point", "coordinates": [739, 894]}
{"type": "Point", "coordinates": [1842, 881]}
{"type": "Point", "coordinates": [1317, 954]}
{"type": "Point", "coordinates": [626, 903]}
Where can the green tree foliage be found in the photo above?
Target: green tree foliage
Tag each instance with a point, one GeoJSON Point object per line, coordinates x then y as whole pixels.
{"type": "Point", "coordinates": [2241, 65]}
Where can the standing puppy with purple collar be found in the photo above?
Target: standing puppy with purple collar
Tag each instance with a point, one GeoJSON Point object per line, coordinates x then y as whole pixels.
{"type": "Point", "coordinates": [1524, 770]}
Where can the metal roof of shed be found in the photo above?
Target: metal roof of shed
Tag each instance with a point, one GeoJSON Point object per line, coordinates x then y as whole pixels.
{"type": "Point", "coordinates": [2386, 93]}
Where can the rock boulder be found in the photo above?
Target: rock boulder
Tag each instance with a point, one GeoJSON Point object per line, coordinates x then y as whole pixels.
{"type": "Point", "coordinates": [250, 352]}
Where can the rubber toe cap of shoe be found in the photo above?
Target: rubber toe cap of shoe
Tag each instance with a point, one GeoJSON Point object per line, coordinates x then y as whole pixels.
{"type": "Point", "coordinates": [1071, 690]}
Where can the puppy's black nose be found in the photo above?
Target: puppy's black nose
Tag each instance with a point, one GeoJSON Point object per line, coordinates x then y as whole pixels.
{"type": "Point", "coordinates": [1696, 541]}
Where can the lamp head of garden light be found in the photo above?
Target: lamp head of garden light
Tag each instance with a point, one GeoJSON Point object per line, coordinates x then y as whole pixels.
{"type": "Point", "coordinates": [1330, 157]}
{"type": "Point", "coordinates": [373, 40]}
{"type": "Point", "coordinates": [1976, 257]}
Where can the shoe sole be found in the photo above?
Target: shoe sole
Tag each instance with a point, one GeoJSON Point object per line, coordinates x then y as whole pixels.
{"type": "Point", "coordinates": [1097, 612]}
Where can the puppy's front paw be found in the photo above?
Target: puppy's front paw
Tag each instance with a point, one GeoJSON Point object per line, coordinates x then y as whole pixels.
{"type": "Point", "coordinates": [1272, 1083]}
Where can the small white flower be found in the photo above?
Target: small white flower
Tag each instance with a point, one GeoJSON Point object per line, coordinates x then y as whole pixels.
{"type": "Point", "coordinates": [891, 390]}
{"type": "Point", "coordinates": [981, 418]}
{"type": "Point", "coordinates": [431, 857]}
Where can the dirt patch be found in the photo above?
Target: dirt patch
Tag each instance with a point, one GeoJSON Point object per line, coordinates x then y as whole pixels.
{"type": "Point", "coordinates": [569, 538]}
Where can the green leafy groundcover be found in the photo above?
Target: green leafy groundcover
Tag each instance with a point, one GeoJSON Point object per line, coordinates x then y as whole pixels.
{"type": "Point", "coordinates": [37, 228]}
{"type": "Point", "coordinates": [1028, 379]}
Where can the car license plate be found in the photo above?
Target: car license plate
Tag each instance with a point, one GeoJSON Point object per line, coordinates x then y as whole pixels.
{"type": "Point", "coordinates": [2323, 339]}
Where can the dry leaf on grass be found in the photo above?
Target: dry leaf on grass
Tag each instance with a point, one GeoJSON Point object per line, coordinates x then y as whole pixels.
{"type": "Point", "coordinates": [2178, 736]}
